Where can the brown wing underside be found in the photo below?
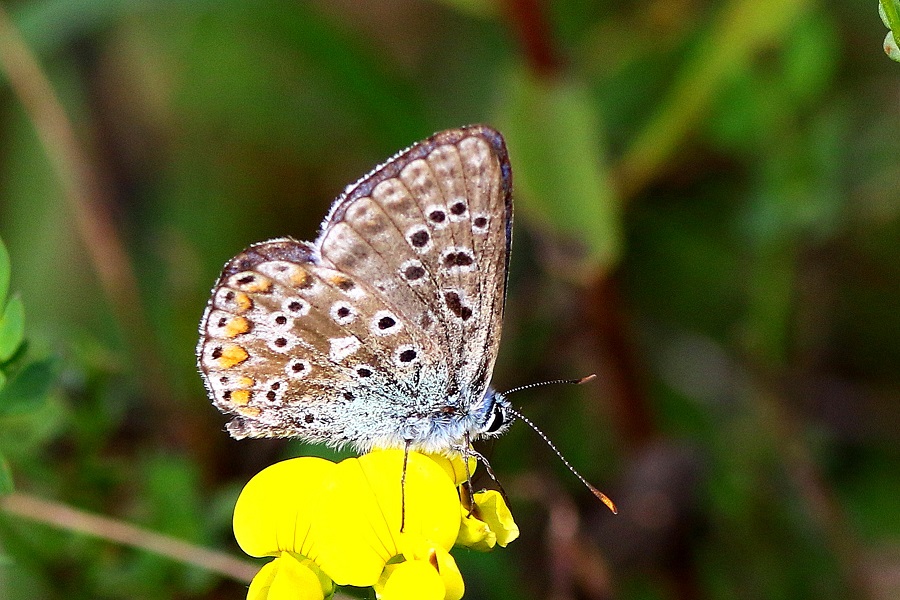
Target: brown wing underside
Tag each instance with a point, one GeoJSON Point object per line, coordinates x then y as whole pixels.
{"type": "Point", "coordinates": [435, 224]}
{"type": "Point", "coordinates": [400, 298]}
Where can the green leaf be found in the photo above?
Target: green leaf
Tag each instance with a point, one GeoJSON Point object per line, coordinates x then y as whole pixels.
{"type": "Point", "coordinates": [12, 328]}
{"type": "Point", "coordinates": [889, 10]}
{"type": "Point", "coordinates": [5, 270]}
{"type": "Point", "coordinates": [6, 478]}
{"type": "Point", "coordinates": [561, 182]}
{"type": "Point", "coordinates": [28, 389]}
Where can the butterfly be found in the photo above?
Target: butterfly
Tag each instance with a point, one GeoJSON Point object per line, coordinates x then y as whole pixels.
{"type": "Point", "coordinates": [383, 332]}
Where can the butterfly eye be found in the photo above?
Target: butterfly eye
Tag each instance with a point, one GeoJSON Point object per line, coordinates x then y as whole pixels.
{"type": "Point", "coordinates": [496, 421]}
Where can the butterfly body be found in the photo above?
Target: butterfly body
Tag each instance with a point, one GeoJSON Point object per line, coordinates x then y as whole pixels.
{"type": "Point", "coordinates": [384, 331]}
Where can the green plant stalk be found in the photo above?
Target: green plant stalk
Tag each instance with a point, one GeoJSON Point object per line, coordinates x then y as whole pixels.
{"type": "Point", "coordinates": [740, 29]}
{"type": "Point", "coordinates": [62, 516]}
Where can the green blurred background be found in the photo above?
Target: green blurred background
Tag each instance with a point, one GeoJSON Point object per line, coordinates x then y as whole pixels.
{"type": "Point", "coordinates": [708, 217]}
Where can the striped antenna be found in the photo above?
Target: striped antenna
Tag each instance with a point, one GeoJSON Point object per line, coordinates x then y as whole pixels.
{"type": "Point", "coordinates": [600, 495]}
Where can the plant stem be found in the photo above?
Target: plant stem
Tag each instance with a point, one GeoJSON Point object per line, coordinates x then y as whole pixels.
{"type": "Point", "coordinates": [65, 517]}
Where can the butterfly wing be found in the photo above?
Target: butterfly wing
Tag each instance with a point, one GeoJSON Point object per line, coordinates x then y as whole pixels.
{"type": "Point", "coordinates": [395, 309]}
{"type": "Point", "coordinates": [435, 224]}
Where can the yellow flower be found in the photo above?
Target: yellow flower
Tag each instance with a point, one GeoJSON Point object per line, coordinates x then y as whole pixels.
{"type": "Point", "coordinates": [489, 523]}
{"type": "Point", "coordinates": [360, 527]}
{"type": "Point", "coordinates": [340, 523]}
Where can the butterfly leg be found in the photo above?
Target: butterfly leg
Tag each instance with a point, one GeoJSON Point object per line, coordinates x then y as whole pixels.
{"type": "Point", "coordinates": [470, 491]}
{"type": "Point", "coordinates": [466, 451]}
{"type": "Point", "coordinates": [487, 466]}
{"type": "Point", "coordinates": [403, 486]}
{"type": "Point", "coordinates": [481, 458]}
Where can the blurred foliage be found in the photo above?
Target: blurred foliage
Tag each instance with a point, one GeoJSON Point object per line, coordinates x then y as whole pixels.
{"type": "Point", "coordinates": [24, 383]}
{"type": "Point", "coordinates": [708, 201]}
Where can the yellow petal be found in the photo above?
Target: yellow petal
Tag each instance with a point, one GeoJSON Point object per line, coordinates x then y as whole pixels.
{"type": "Point", "coordinates": [493, 510]}
{"type": "Point", "coordinates": [413, 546]}
{"type": "Point", "coordinates": [454, 588]}
{"type": "Point", "coordinates": [411, 580]}
{"type": "Point", "coordinates": [276, 508]}
{"type": "Point", "coordinates": [416, 548]}
{"type": "Point", "coordinates": [360, 513]}
{"type": "Point", "coordinates": [385, 575]}
{"type": "Point", "coordinates": [325, 582]}
{"type": "Point", "coordinates": [289, 578]}
{"type": "Point", "coordinates": [455, 466]}
{"type": "Point", "coordinates": [262, 582]}
{"type": "Point", "coordinates": [475, 533]}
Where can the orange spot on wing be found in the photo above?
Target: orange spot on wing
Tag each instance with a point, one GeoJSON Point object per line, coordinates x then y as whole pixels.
{"type": "Point", "coordinates": [259, 285]}
{"type": "Point", "coordinates": [344, 283]}
{"type": "Point", "coordinates": [237, 326]}
{"type": "Point", "coordinates": [232, 354]}
{"type": "Point", "coordinates": [300, 277]}
{"type": "Point", "coordinates": [240, 397]}
{"type": "Point", "coordinates": [249, 411]}
{"type": "Point", "coordinates": [243, 301]}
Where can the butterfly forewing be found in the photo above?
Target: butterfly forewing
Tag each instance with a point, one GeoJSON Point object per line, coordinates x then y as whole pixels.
{"type": "Point", "coordinates": [394, 311]}
{"type": "Point", "coordinates": [448, 200]}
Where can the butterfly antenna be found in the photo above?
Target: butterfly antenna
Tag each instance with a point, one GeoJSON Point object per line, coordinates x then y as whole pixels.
{"type": "Point", "coordinates": [590, 377]}
{"type": "Point", "coordinates": [600, 495]}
